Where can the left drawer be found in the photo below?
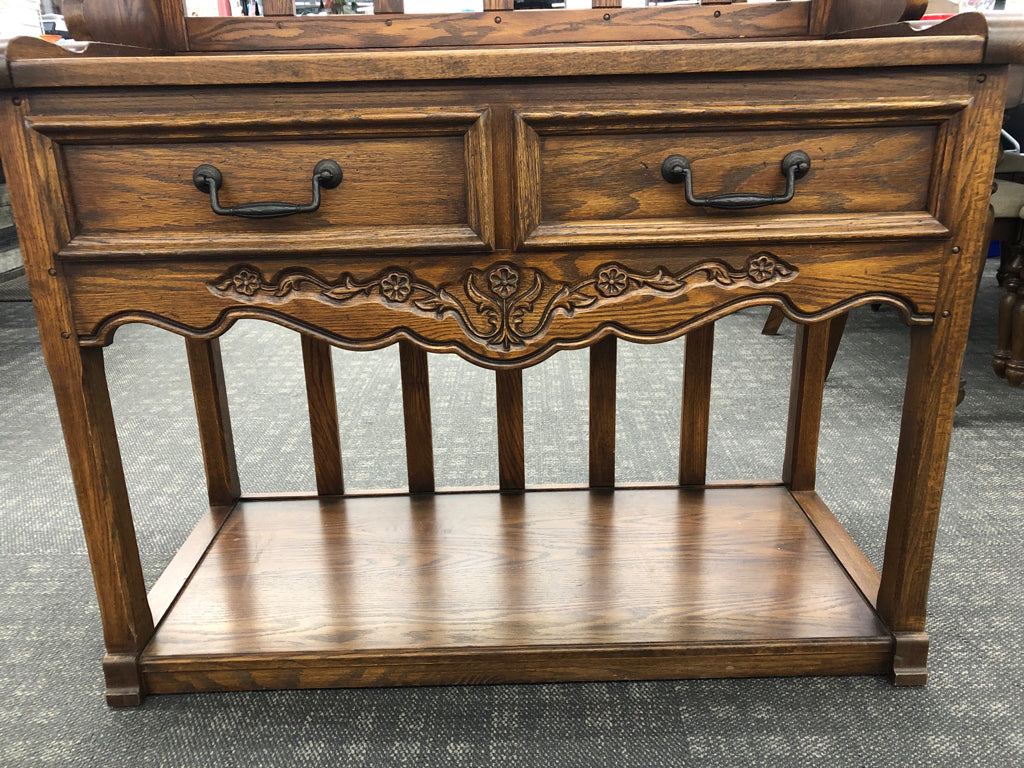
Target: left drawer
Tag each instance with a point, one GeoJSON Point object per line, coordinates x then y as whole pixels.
{"type": "Point", "coordinates": [410, 182]}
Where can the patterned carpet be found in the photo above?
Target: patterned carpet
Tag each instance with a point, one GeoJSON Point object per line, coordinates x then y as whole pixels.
{"type": "Point", "coordinates": [52, 711]}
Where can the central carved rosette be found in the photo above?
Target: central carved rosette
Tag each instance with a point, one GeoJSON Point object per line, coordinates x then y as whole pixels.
{"type": "Point", "coordinates": [505, 305]}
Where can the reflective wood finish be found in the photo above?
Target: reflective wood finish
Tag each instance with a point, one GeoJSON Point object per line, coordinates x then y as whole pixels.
{"type": "Point", "coordinates": [502, 201]}
{"type": "Point", "coordinates": [523, 580]}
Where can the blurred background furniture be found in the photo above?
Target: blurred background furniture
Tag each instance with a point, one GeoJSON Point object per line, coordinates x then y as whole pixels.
{"type": "Point", "coordinates": [1008, 231]}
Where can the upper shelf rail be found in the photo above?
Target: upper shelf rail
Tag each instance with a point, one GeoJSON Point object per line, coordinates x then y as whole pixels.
{"type": "Point", "coordinates": [164, 25]}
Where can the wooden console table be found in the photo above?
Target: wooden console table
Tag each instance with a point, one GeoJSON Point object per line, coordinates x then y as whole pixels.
{"type": "Point", "coordinates": [501, 187]}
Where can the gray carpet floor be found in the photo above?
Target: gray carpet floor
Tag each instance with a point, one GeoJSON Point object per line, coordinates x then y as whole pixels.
{"type": "Point", "coordinates": [971, 713]}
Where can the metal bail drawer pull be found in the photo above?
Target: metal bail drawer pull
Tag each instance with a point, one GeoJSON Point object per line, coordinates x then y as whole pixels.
{"type": "Point", "coordinates": [795, 165]}
{"type": "Point", "coordinates": [326, 175]}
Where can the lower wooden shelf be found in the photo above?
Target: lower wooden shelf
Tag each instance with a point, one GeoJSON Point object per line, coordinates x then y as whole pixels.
{"type": "Point", "coordinates": [537, 586]}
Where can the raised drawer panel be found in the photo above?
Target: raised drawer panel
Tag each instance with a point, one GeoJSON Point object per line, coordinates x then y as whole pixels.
{"type": "Point", "coordinates": [409, 182]}
{"type": "Point", "coordinates": [589, 180]}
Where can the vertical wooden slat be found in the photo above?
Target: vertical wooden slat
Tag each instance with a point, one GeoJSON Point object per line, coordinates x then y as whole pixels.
{"type": "Point", "coordinates": [499, 5]}
{"type": "Point", "coordinates": [323, 416]}
{"type": "Point", "coordinates": [511, 464]}
{"type": "Point", "coordinates": [696, 408]}
{"type": "Point", "coordinates": [807, 387]}
{"type": "Point", "coordinates": [388, 7]}
{"type": "Point", "coordinates": [278, 7]}
{"type": "Point", "coordinates": [835, 335]}
{"type": "Point", "coordinates": [213, 418]}
{"type": "Point", "coordinates": [419, 442]}
{"type": "Point", "coordinates": [602, 413]}
{"type": "Point", "coordinates": [773, 322]}
{"type": "Point", "coordinates": [605, 3]}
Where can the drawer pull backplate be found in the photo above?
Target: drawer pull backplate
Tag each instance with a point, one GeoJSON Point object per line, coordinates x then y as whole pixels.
{"type": "Point", "coordinates": [326, 175]}
{"type": "Point", "coordinates": [795, 165]}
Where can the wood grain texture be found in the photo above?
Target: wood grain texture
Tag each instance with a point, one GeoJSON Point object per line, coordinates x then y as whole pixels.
{"type": "Point", "coordinates": [602, 413]}
{"type": "Point", "coordinates": [323, 416]}
{"type": "Point", "coordinates": [696, 407]}
{"type": "Point", "coordinates": [934, 372]}
{"type": "Point", "coordinates": [157, 24]}
{"type": "Point", "coordinates": [515, 583]}
{"type": "Point", "coordinates": [807, 387]}
{"type": "Point", "coordinates": [759, 659]}
{"type": "Point", "coordinates": [388, 7]}
{"type": "Point", "coordinates": [278, 7]}
{"type": "Point", "coordinates": [616, 176]}
{"type": "Point", "coordinates": [511, 451]}
{"type": "Point", "coordinates": [484, 29]}
{"type": "Point", "coordinates": [177, 573]}
{"type": "Point", "coordinates": [861, 570]}
{"type": "Point", "coordinates": [836, 328]}
{"type": "Point", "coordinates": [213, 417]}
{"type": "Point", "coordinates": [83, 402]}
{"type": "Point", "coordinates": [832, 16]}
{"type": "Point", "coordinates": [419, 440]}
{"type": "Point", "coordinates": [593, 61]}
{"type": "Point", "coordinates": [448, 305]}
{"type": "Point", "coordinates": [424, 177]}
{"type": "Point", "coordinates": [502, 201]}
{"type": "Point", "coordinates": [910, 658]}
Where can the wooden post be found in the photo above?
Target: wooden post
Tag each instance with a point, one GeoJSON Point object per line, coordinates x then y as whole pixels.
{"type": "Point", "coordinates": [696, 408]}
{"type": "Point", "coordinates": [323, 416]}
{"type": "Point", "coordinates": [933, 383]}
{"type": "Point", "coordinates": [511, 464]}
{"type": "Point", "coordinates": [602, 413]}
{"type": "Point", "coordinates": [83, 402]}
{"type": "Point", "coordinates": [214, 420]}
{"type": "Point", "coordinates": [419, 443]}
{"type": "Point", "coordinates": [807, 387]}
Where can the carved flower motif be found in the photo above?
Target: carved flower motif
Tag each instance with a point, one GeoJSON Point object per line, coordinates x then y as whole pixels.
{"type": "Point", "coordinates": [761, 268]}
{"type": "Point", "coordinates": [611, 281]}
{"type": "Point", "coordinates": [396, 286]}
{"type": "Point", "coordinates": [246, 282]}
{"type": "Point", "coordinates": [504, 281]}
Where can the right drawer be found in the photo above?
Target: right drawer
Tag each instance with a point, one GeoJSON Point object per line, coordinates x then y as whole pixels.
{"type": "Point", "coordinates": [596, 179]}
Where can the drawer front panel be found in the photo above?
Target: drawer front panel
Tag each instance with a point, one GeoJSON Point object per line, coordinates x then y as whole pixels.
{"type": "Point", "coordinates": [408, 182]}
{"type": "Point", "coordinates": [582, 179]}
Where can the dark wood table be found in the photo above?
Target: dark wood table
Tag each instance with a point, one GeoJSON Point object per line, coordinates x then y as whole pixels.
{"type": "Point", "coordinates": [501, 187]}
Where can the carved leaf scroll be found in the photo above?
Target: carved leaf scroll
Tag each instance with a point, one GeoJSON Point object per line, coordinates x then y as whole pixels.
{"type": "Point", "coordinates": [503, 306]}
